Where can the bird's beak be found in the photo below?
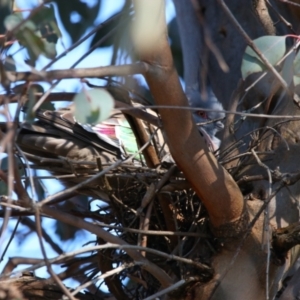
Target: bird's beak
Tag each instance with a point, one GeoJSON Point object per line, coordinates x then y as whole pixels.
{"type": "Point", "coordinates": [219, 125]}
{"type": "Point", "coordinates": [210, 144]}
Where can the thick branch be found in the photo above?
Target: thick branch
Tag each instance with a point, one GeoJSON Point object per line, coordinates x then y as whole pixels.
{"type": "Point", "coordinates": [284, 239]}
{"type": "Point", "coordinates": [262, 13]}
{"type": "Point", "coordinates": [213, 184]}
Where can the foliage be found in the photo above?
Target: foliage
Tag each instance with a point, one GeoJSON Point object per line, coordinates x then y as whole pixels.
{"type": "Point", "coordinates": [93, 106]}
{"type": "Point", "coordinates": [274, 49]}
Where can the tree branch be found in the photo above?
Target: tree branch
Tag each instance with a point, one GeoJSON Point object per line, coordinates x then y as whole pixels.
{"type": "Point", "coordinates": [283, 239]}
{"type": "Point", "coordinates": [212, 183]}
{"type": "Point", "coordinates": [123, 70]}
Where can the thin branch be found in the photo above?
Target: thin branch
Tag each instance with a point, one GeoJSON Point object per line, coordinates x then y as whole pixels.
{"type": "Point", "coordinates": [266, 229]}
{"type": "Point", "coordinates": [10, 240]}
{"type": "Point", "coordinates": [157, 272]}
{"type": "Point", "coordinates": [282, 19]}
{"type": "Point", "coordinates": [123, 70]}
{"type": "Point", "coordinates": [285, 238]}
{"type": "Point", "coordinates": [167, 290]}
{"type": "Point", "coordinates": [49, 266]}
{"type": "Point", "coordinates": [103, 276]}
{"type": "Point", "coordinates": [123, 246]}
{"type": "Point", "coordinates": [290, 2]}
{"type": "Point", "coordinates": [244, 114]}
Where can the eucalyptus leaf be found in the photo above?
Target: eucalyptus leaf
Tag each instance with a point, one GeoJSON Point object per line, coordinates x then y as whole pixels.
{"type": "Point", "coordinates": [32, 42]}
{"type": "Point", "coordinates": [93, 106]}
{"type": "Point", "coordinates": [31, 101]}
{"type": "Point", "coordinates": [3, 188]}
{"type": "Point", "coordinates": [4, 167]}
{"type": "Point", "coordinates": [287, 68]}
{"type": "Point", "coordinates": [272, 47]}
{"type": "Point", "coordinates": [17, 161]}
{"type": "Point", "coordinates": [12, 21]}
{"type": "Point", "coordinates": [49, 49]}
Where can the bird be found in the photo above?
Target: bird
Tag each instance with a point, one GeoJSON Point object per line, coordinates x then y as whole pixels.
{"type": "Point", "coordinates": [208, 114]}
{"type": "Point", "coordinates": [72, 152]}
{"type": "Point", "coordinates": [55, 141]}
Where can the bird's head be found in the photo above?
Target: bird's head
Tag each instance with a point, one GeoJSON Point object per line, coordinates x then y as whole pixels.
{"type": "Point", "coordinates": [208, 122]}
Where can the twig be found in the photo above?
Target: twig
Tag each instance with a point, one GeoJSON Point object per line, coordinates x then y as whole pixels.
{"type": "Point", "coordinates": [123, 70]}
{"type": "Point", "coordinates": [89, 180]}
{"type": "Point", "coordinates": [32, 226]}
{"type": "Point", "coordinates": [103, 276]}
{"type": "Point", "coordinates": [42, 99]}
{"type": "Point", "coordinates": [154, 232]}
{"type": "Point", "coordinates": [49, 267]}
{"type": "Point", "coordinates": [10, 239]}
{"type": "Point", "coordinates": [297, 117]}
{"type": "Point", "coordinates": [167, 290]}
{"type": "Point", "coordinates": [282, 19]}
{"type": "Point", "coordinates": [290, 2]}
{"type": "Point", "coordinates": [266, 231]}
{"type": "Point", "coordinates": [222, 162]}
{"type": "Point", "coordinates": [20, 208]}
{"type": "Point", "coordinates": [145, 223]}
{"type": "Point", "coordinates": [156, 271]}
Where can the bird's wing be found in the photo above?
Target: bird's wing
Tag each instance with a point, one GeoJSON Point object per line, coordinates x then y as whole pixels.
{"type": "Point", "coordinates": [64, 121]}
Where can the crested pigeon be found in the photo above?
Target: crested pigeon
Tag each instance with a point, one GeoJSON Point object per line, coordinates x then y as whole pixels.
{"type": "Point", "coordinates": [57, 135]}
{"type": "Point", "coordinates": [208, 122]}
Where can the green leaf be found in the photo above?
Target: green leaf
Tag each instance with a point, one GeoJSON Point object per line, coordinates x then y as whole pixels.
{"type": "Point", "coordinates": [49, 49]}
{"type": "Point", "coordinates": [3, 188]}
{"type": "Point", "coordinates": [17, 161]}
{"type": "Point", "coordinates": [93, 106]}
{"type": "Point", "coordinates": [32, 42]}
{"type": "Point", "coordinates": [11, 21]}
{"type": "Point", "coordinates": [48, 106]}
{"type": "Point", "coordinates": [287, 68]}
{"type": "Point", "coordinates": [46, 23]}
{"type": "Point", "coordinates": [37, 38]}
{"type": "Point", "coordinates": [32, 90]}
{"type": "Point", "coordinates": [272, 47]}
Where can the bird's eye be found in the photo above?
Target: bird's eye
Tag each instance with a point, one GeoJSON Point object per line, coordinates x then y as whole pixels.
{"type": "Point", "coordinates": [201, 114]}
